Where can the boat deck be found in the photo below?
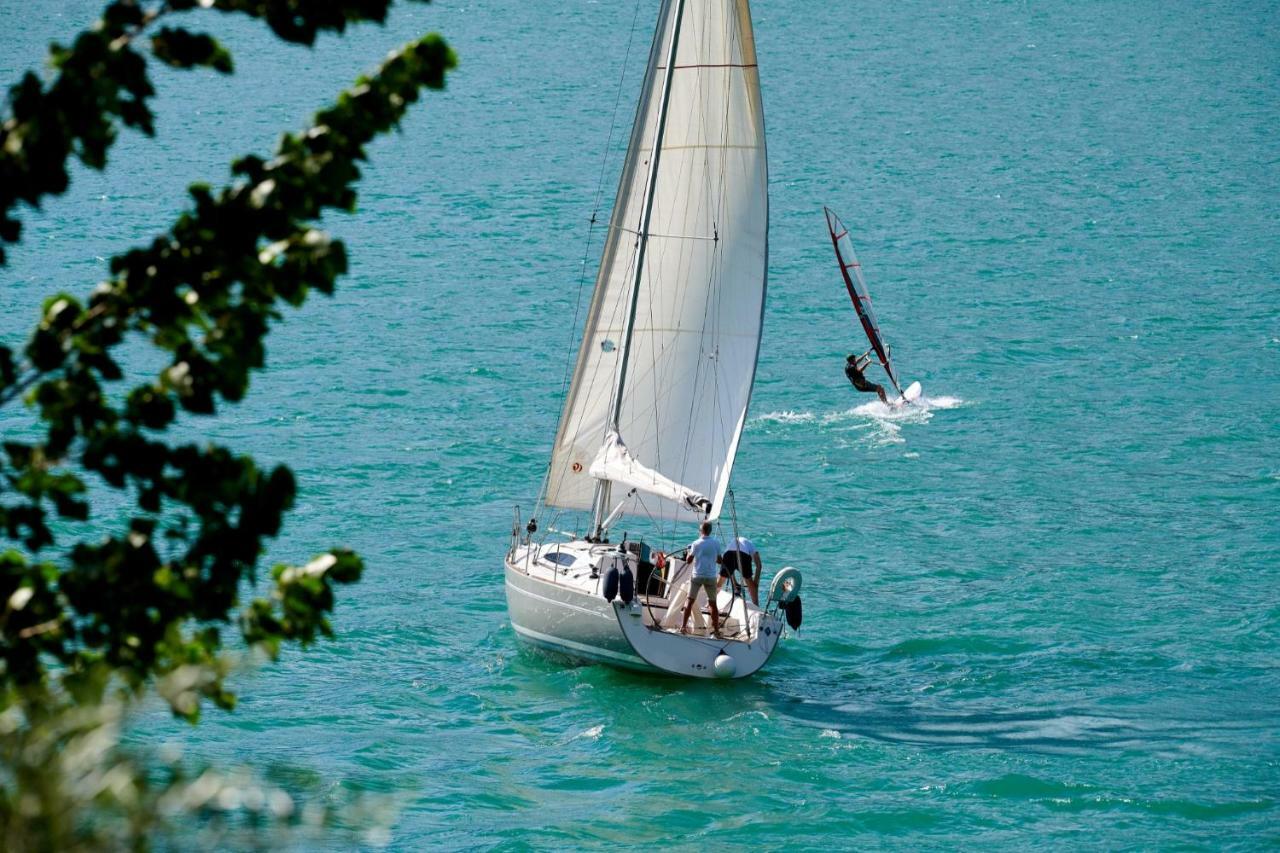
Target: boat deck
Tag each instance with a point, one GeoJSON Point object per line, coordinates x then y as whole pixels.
{"type": "Point", "coordinates": [662, 593]}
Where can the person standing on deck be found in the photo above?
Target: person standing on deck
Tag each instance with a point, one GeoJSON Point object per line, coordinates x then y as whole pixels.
{"type": "Point", "coordinates": [853, 367]}
{"type": "Point", "coordinates": [704, 554]}
{"type": "Point", "coordinates": [743, 556]}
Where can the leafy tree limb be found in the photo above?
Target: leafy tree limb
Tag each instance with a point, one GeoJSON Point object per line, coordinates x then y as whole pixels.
{"type": "Point", "coordinates": [101, 81]}
{"type": "Point", "coordinates": [149, 599]}
{"type": "Point", "coordinates": [71, 785]}
{"type": "Point", "coordinates": [80, 620]}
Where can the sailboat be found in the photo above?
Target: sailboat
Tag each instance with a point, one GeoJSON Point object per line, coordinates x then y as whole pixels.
{"type": "Point", "coordinates": [861, 298]}
{"type": "Point", "coordinates": [659, 393]}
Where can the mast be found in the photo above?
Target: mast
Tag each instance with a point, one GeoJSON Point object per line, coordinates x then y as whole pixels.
{"type": "Point", "coordinates": [600, 503]}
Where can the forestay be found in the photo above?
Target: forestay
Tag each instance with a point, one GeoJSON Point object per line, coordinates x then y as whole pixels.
{"type": "Point", "coordinates": [701, 286]}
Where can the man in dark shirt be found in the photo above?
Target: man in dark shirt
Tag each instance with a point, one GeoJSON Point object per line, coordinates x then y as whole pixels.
{"type": "Point", "coordinates": [853, 367]}
{"type": "Point", "coordinates": [743, 556]}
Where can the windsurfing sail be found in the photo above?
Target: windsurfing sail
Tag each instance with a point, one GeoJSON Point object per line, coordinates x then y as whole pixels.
{"type": "Point", "coordinates": [858, 293]}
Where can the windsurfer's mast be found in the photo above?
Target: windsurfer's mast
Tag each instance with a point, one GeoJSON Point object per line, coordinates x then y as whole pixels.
{"type": "Point", "coordinates": [600, 502]}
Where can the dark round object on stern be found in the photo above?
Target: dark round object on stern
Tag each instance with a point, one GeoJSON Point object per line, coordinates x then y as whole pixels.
{"type": "Point", "coordinates": [626, 585]}
{"type": "Point", "coordinates": [794, 613]}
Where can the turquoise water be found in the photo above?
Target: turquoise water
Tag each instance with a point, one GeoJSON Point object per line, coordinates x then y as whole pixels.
{"type": "Point", "coordinates": [1046, 614]}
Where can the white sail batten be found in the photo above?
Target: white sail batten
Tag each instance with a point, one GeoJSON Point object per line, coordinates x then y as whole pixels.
{"type": "Point", "coordinates": [700, 298]}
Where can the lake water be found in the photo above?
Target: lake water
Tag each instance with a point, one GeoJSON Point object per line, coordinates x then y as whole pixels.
{"type": "Point", "coordinates": [1044, 612]}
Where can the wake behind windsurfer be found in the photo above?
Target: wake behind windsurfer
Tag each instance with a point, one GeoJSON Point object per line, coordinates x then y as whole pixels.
{"type": "Point", "coordinates": [853, 367]}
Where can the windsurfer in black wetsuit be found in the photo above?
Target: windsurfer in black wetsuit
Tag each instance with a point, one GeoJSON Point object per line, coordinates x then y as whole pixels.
{"type": "Point", "coordinates": [853, 367]}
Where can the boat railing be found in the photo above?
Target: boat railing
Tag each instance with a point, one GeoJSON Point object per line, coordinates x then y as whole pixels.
{"type": "Point", "coordinates": [515, 533]}
{"type": "Point", "coordinates": [672, 574]}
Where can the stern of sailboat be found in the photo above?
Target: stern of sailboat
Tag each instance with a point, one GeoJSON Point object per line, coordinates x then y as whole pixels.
{"type": "Point", "coordinates": [556, 597]}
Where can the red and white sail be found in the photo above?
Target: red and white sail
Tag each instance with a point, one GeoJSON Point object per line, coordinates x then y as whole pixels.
{"type": "Point", "coordinates": [851, 270]}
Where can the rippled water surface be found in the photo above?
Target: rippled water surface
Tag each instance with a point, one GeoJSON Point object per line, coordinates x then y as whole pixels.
{"type": "Point", "coordinates": [1044, 611]}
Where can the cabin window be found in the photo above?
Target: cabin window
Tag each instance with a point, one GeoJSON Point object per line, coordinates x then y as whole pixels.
{"type": "Point", "coordinates": [560, 558]}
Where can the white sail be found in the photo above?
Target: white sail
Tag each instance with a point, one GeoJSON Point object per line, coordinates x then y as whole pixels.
{"type": "Point", "coordinates": [701, 287]}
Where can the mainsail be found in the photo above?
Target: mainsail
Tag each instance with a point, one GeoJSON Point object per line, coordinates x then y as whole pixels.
{"type": "Point", "coordinates": [858, 292]}
{"type": "Point", "coordinates": [695, 305]}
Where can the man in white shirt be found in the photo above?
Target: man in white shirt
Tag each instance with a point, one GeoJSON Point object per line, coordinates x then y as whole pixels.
{"type": "Point", "coordinates": [743, 556]}
{"type": "Point", "coordinates": [704, 554]}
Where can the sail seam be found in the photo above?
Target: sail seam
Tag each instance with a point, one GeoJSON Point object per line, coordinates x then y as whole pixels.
{"type": "Point", "coordinates": [709, 65]}
{"type": "Point", "coordinates": [708, 146]}
{"type": "Point", "coordinates": [665, 236]}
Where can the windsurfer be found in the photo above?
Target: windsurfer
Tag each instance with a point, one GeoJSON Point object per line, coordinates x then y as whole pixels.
{"type": "Point", "coordinates": [853, 367]}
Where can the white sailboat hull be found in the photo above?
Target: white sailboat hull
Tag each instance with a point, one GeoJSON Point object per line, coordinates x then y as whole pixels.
{"type": "Point", "coordinates": [697, 657]}
{"type": "Point", "coordinates": [562, 619]}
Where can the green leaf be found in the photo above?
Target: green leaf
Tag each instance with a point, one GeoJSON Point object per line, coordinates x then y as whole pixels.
{"type": "Point", "coordinates": [182, 49]}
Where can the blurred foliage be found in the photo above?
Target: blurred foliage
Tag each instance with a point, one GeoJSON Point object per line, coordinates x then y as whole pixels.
{"type": "Point", "coordinates": [86, 626]}
{"type": "Point", "coordinates": [70, 785]}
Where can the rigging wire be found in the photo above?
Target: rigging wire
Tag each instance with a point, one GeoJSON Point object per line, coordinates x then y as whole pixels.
{"type": "Point", "coordinates": [591, 225]}
{"type": "Point", "coordinates": [732, 35]}
{"type": "Point", "coordinates": [733, 523]}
